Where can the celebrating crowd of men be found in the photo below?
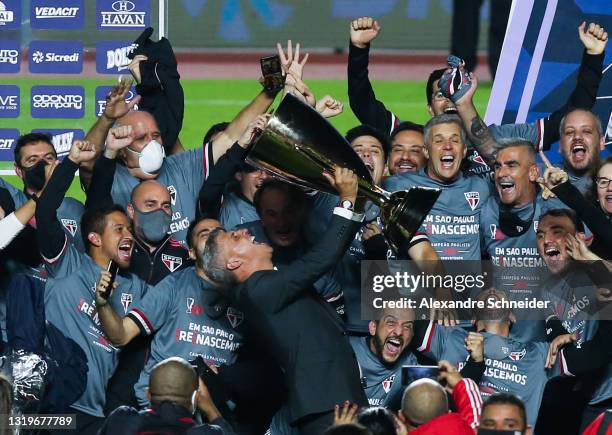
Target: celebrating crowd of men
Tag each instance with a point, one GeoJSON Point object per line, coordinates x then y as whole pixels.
{"type": "Point", "coordinates": [194, 293]}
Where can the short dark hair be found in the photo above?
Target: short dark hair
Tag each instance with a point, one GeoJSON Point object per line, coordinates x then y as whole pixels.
{"type": "Point", "coordinates": [94, 220]}
{"type": "Point", "coordinates": [377, 419]}
{"type": "Point", "coordinates": [212, 265]}
{"type": "Point", "coordinates": [191, 229]}
{"type": "Point", "coordinates": [368, 130]}
{"type": "Point", "coordinates": [295, 194]}
{"type": "Point", "coordinates": [31, 138]}
{"type": "Point", "coordinates": [433, 77]}
{"type": "Point", "coordinates": [347, 429]}
{"type": "Point", "coordinates": [564, 212]}
{"type": "Point", "coordinates": [406, 126]}
{"type": "Point", "coordinates": [506, 399]}
{"type": "Point", "coordinates": [217, 128]}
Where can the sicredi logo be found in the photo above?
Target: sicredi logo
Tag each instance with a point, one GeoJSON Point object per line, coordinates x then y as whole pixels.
{"type": "Point", "coordinates": [9, 101]}
{"type": "Point", "coordinates": [9, 57]}
{"type": "Point", "coordinates": [123, 14]}
{"type": "Point", "coordinates": [103, 91]}
{"type": "Point", "coordinates": [8, 137]}
{"type": "Point", "coordinates": [62, 138]}
{"type": "Point", "coordinates": [58, 102]}
{"type": "Point", "coordinates": [57, 57]}
{"type": "Point", "coordinates": [58, 14]}
{"type": "Point", "coordinates": [112, 56]}
{"type": "Point", "coordinates": [10, 14]}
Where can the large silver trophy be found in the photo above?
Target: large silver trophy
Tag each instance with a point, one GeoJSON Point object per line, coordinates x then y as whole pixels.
{"type": "Point", "coordinates": [298, 144]}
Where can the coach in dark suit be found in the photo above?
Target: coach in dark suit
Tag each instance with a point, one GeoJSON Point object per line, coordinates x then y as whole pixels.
{"type": "Point", "coordinates": [302, 332]}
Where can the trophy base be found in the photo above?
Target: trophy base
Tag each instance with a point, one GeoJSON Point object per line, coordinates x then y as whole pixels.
{"type": "Point", "coordinates": [404, 213]}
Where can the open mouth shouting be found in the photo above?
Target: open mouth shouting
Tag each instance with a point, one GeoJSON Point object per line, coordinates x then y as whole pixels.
{"type": "Point", "coordinates": [450, 110]}
{"type": "Point", "coordinates": [405, 166]}
{"type": "Point", "coordinates": [579, 151]}
{"type": "Point", "coordinates": [447, 161]}
{"type": "Point", "coordinates": [393, 346]}
{"type": "Point", "coordinates": [126, 246]}
{"type": "Point", "coordinates": [506, 187]}
{"type": "Point", "coordinates": [370, 167]}
{"type": "Point", "coordinates": [552, 253]}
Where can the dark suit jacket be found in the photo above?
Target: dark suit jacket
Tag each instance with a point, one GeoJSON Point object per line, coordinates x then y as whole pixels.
{"type": "Point", "coordinates": [302, 332]}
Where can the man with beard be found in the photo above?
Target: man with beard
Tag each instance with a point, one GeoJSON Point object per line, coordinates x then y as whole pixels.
{"type": "Point", "coordinates": [69, 303]}
{"type": "Point", "coordinates": [571, 288]}
{"type": "Point", "coordinates": [371, 146]}
{"type": "Point", "coordinates": [407, 153]}
{"type": "Point", "coordinates": [382, 354]}
{"type": "Point", "coordinates": [452, 225]}
{"type": "Point", "coordinates": [543, 132]}
{"type": "Point", "coordinates": [319, 365]}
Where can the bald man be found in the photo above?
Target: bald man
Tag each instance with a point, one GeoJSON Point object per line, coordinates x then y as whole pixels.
{"type": "Point", "coordinates": [425, 404]}
{"type": "Point", "coordinates": [175, 394]}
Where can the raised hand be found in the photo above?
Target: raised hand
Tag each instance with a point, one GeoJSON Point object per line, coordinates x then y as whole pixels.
{"type": "Point", "coordinates": [117, 139]}
{"type": "Point", "coordinates": [449, 375]}
{"type": "Point", "coordinates": [553, 176]}
{"type": "Point", "coordinates": [328, 106]}
{"type": "Point", "coordinates": [103, 292]}
{"type": "Point", "coordinates": [82, 151]}
{"type": "Point", "coordinates": [555, 346]}
{"type": "Point", "coordinates": [291, 62]}
{"type": "Point", "coordinates": [116, 107]}
{"type": "Point", "coordinates": [134, 67]}
{"type": "Point", "coordinates": [474, 343]}
{"type": "Point", "coordinates": [363, 31]}
{"type": "Point", "coordinates": [344, 181]}
{"type": "Point", "coordinates": [578, 250]}
{"type": "Point", "coordinates": [346, 415]}
{"type": "Point", "coordinates": [299, 89]}
{"type": "Point", "coordinates": [594, 38]}
{"type": "Point", "coordinates": [253, 130]}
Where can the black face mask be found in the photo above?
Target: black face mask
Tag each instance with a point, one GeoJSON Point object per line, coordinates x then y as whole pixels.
{"type": "Point", "coordinates": [35, 175]}
{"type": "Point", "coordinates": [512, 225]}
{"type": "Point", "coordinates": [498, 432]}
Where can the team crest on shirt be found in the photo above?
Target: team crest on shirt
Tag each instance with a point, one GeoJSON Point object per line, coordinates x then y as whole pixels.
{"type": "Point", "coordinates": [70, 225]}
{"type": "Point", "coordinates": [477, 158]}
{"type": "Point", "coordinates": [517, 356]}
{"type": "Point", "coordinates": [172, 262]}
{"type": "Point", "coordinates": [472, 198]}
{"type": "Point", "coordinates": [126, 300]}
{"type": "Point", "coordinates": [172, 191]}
{"type": "Point", "coordinates": [234, 316]}
{"type": "Point", "coordinates": [386, 384]}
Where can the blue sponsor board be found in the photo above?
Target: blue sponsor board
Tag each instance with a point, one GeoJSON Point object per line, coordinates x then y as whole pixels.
{"type": "Point", "coordinates": [111, 56]}
{"type": "Point", "coordinates": [56, 57]}
{"type": "Point", "coordinates": [57, 102]}
{"type": "Point", "coordinates": [9, 101]}
{"type": "Point", "coordinates": [10, 56]}
{"type": "Point", "coordinates": [57, 14]}
{"type": "Point", "coordinates": [123, 14]}
{"type": "Point", "coordinates": [102, 92]}
{"type": "Point", "coordinates": [8, 137]}
{"type": "Point", "coordinates": [62, 138]}
{"type": "Point", "coordinates": [10, 14]}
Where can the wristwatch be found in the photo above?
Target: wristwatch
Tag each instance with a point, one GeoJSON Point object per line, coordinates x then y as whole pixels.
{"type": "Point", "coordinates": [347, 204]}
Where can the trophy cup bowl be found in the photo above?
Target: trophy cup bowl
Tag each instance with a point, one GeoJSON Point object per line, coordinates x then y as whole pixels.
{"type": "Point", "coordinates": [298, 145]}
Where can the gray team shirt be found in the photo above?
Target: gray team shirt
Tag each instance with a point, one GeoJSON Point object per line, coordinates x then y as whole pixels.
{"type": "Point", "coordinates": [236, 210]}
{"type": "Point", "coordinates": [69, 213]}
{"type": "Point", "coordinates": [510, 365]}
{"type": "Point", "coordinates": [70, 306]}
{"type": "Point", "coordinates": [183, 175]}
{"type": "Point", "coordinates": [453, 224]}
{"type": "Point", "coordinates": [382, 384]}
{"type": "Point", "coordinates": [189, 319]}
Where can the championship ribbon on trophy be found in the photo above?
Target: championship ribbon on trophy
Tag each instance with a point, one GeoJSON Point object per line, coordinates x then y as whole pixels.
{"type": "Point", "coordinates": [298, 144]}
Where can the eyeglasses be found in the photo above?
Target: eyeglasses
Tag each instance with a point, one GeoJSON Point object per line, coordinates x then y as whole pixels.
{"type": "Point", "coordinates": [602, 182]}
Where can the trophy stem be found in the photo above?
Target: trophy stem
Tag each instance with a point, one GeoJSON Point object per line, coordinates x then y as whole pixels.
{"type": "Point", "coordinates": [372, 192]}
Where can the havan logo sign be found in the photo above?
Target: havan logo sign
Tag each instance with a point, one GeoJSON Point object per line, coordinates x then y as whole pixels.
{"type": "Point", "coordinates": [123, 14]}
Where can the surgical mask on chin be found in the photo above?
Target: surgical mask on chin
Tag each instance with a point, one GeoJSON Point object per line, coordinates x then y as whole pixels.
{"type": "Point", "coordinates": [35, 175]}
{"type": "Point", "coordinates": [154, 225]}
{"type": "Point", "coordinates": [151, 157]}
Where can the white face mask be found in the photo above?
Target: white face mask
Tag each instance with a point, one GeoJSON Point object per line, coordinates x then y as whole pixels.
{"type": "Point", "coordinates": [151, 157]}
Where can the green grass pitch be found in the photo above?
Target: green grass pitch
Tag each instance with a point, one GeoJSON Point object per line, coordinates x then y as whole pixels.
{"type": "Point", "coordinates": [211, 101]}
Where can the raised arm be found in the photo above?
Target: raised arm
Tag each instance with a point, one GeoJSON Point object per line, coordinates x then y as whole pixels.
{"type": "Point", "coordinates": [50, 233]}
{"type": "Point", "coordinates": [299, 276]}
{"type": "Point", "coordinates": [362, 99]}
{"type": "Point", "coordinates": [119, 330]}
